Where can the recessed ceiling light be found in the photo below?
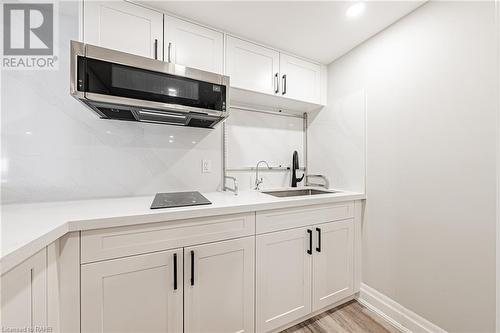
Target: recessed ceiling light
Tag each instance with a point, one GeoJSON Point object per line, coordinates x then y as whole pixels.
{"type": "Point", "coordinates": [355, 10]}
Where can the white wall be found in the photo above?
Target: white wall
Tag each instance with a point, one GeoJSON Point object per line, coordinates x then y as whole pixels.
{"type": "Point", "coordinates": [337, 137]}
{"type": "Point", "coordinates": [54, 148]}
{"type": "Point", "coordinates": [254, 136]}
{"type": "Point", "coordinates": [429, 226]}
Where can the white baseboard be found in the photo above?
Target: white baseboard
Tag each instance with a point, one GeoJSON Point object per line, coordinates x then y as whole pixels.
{"type": "Point", "coordinates": [400, 317]}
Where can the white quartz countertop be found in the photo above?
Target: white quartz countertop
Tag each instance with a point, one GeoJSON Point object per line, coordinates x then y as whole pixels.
{"type": "Point", "coordinates": [27, 228]}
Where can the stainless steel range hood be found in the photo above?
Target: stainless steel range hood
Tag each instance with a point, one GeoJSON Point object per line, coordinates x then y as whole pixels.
{"type": "Point", "coordinates": [122, 86]}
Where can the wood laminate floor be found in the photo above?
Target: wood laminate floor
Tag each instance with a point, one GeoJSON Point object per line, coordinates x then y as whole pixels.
{"type": "Point", "coordinates": [351, 317]}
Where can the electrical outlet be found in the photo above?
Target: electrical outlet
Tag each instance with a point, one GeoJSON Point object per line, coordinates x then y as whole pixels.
{"type": "Point", "coordinates": [206, 166]}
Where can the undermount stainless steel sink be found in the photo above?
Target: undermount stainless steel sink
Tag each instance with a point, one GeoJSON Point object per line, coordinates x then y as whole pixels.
{"type": "Point", "coordinates": [297, 193]}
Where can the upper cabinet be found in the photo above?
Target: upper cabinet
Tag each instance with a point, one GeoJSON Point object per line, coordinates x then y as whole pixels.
{"type": "Point", "coordinates": [287, 82]}
{"type": "Point", "coordinates": [124, 26]}
{"type": "Point", "coordinates": [300, 79]}
{"type": "Point", "coordinates": [260, 76]}
{"type": "Point", "coordinates": [251, 66]}
{"type": "Point", "coordinates": [192, 45]}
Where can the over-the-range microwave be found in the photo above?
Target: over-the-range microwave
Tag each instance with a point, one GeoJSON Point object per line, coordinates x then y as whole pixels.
{"type": "Point", "coordinates": [118, 85]}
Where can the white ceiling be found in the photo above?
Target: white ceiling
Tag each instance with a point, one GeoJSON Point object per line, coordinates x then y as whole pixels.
{"type": "Point", "coordinates": [315, 30]}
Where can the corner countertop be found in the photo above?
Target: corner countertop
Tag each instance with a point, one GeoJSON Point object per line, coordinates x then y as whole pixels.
{"type": "Point", "coordinates": [27, 228]}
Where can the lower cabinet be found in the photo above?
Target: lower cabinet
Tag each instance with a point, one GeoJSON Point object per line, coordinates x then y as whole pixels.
{"type": "Point", "coordinates": [24, 295]}
{"type": "Point", "coordinates": [205, 288]}
{"type": "Point", "coordinates": [302, 270]}
{"type": "Point", "coordinates": [219, 287]}
{"type": "Point", "coordinates": [283, 278]}
{"type": "Point", "coordinates": [219, 276]}
{"type": "Point", "coordinates": [332, 263]}
{"type": "Point", "coordinates": [142, 293]}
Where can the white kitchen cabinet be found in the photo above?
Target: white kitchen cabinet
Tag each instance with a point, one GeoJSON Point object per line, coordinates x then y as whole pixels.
{"type": "Point", "coordinates": [142, 293]}
{"type": "Point", "coordinates": [283, 278]}
{"type": "Point", "coordinates": [300, 79]}
{"type": "Point", "coordinates": [24, 294]}
{"type": "Point", "coordinates": [252, 272]}
{"type": "Point", "coordinates": [123, 26]}
{"type": "Point", "coordinates": [303, 216]}
{"type": "Point", "coordinates": [192, 45]}
{"type": "Point", "coordinates": [332, 263]}
{"type": "Point", "coordinates": [219, 287]}
{"type": "Point", "coordinates": [251, 66]}
{"type": "Point", "coordinates": [63, 284]}
{"type": "Point", "coordinates": [110, 243]}
{"type": "Point", "coordinates": [266, 77]}
{"type": "Point", "coordinates": [302, 270]}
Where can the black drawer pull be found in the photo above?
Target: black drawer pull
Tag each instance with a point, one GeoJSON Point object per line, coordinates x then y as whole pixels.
{"type": "Point", "coordinates": [192, 267]}
{"type": "Point", "coordinates": [310, 232]}
{"type": "Point", "coordinates": [175, 271]}
{"type": "Point", "coordinates": [318, 248]}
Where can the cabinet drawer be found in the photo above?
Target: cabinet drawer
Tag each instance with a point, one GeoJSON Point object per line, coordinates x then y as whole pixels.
{"type": "Point", "coordinates": [117, 242]}
{"type": "Point", "coordinates": [287, 218]}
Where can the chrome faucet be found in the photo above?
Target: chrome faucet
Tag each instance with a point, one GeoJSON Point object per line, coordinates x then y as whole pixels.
{"type": "Point", "coordinates": [257, 180]}
{"type": "Point", "coordinates": [232, 189]}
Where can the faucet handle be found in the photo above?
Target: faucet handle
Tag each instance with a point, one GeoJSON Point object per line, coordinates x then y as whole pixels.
{"type": "Point", "coordinates": [258, 182]}
{"type": "Point", "coordinates": [235, 188]}
{"type": "Point", "coordinates": [325, 180]}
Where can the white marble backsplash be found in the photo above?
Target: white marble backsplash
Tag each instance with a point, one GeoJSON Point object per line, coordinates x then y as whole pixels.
{"type": "Point", "coordinates": [254, 136]}
{"type": "Point", "coordinates": [53, 148]}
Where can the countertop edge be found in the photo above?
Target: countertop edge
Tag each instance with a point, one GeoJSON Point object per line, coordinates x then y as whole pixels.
{"type": "Point", "coordinates": [23, 252]}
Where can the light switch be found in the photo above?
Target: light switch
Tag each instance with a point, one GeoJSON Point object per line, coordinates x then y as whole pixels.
{"type": "Point", "coordinates": [206, 166]}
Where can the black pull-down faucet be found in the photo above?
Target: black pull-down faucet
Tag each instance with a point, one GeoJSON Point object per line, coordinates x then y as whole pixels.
{"type": "Point", "coordinates": [295, 167]}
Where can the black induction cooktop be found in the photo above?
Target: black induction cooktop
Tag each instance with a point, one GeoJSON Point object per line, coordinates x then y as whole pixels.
{"type": "Point", "coordinates": [179, 199]}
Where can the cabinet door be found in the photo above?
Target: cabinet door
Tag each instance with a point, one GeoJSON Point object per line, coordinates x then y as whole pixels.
{"type": "Point", "coordinates": [192, 45]}
{"type": "Point", "coordinates": [123, 26]}
{"type": "Point", "coordinates": [300, 79]}
{"type": "Point", "coordinates": [24, 295]}
{"type": "Point", "coordinates": [332, 262]}
{"type": "Point", "coordinates": [219, 287]}
{"type": "Point", "coordinates": [283, 278]}
{"type": "Point", "coordinates": [252, 66]}
{"type": "Point", "coordinates": [133, 294]}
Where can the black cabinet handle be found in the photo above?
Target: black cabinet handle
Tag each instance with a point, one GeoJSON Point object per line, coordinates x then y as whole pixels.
{"type": "Point", "coordinates": [284, 84]}
{"type": "Point", "coordinates": [156, 49]}
{"type": "Point", "coordinates": [276, 83]}
{"type": "Point", "coordinates": [175, 271]}
{"type": "Point", "coordinates": [192, 268]}
{"type": "Point", "coordinates": [310, 232]}
{"type": "Point", "coordinates": [318, 248]}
